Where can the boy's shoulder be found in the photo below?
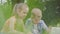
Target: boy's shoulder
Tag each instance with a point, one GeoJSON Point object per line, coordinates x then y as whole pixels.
{"type": "Point", "coordinates": [41, 21]}
{"type": "Point", "coordinates": [29, 20]}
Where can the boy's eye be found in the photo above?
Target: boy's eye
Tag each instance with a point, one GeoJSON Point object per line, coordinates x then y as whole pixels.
{"type": "Point", "coordinates": [37, 16]}
{"type": "Point", "coordinates": [24, 12]}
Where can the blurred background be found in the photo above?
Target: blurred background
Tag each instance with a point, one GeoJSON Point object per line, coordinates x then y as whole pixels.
{"type": "Point", "coordinates": [50, 10]}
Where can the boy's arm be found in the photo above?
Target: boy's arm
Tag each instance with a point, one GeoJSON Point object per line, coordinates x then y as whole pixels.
{"type": "Point", "coordinates": [44, 25]}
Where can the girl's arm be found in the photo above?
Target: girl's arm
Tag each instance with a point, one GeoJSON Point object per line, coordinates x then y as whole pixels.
{"type": "Point", "coordinates": [5, 26]}
{"type": "Point", "coordinates": [9, 25]}
{"type": "Point", "coordinates": [12, 23]}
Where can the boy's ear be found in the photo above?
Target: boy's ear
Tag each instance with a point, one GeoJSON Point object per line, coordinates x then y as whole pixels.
{"type": "Point", "coordinates": [32, 16]}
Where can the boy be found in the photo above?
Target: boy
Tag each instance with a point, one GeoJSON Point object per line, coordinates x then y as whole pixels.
{"type": "Point", "coordinates": [35, 24]}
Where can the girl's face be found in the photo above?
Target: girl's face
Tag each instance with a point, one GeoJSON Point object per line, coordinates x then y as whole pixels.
{"type": "Point", "coordinates": [22, 12]}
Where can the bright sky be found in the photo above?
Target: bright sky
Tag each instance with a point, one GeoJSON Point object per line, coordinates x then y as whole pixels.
{"type": "Point", "coordinates": [3, 1]}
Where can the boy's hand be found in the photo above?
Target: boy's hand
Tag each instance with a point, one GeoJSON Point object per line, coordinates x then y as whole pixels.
{"type": "Point", "coordinates": [49, 29]}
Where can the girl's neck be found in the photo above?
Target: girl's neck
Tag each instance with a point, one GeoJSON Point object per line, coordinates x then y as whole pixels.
{"type": "Point", "coordinates": [19, 18]}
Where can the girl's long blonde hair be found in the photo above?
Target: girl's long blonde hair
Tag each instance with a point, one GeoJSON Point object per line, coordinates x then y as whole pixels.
{"type": "Point", "coordinates": [18, 6]}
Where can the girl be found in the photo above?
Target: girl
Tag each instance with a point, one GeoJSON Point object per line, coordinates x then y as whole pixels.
{"type": "Point", "coordinates": [15, 23]}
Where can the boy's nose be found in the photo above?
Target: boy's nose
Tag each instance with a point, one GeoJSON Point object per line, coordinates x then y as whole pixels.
{"type": "Point", "coordinates": [25, 14]}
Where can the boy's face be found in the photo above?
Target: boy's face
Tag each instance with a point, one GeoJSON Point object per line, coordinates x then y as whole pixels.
{"type": "Point", "coordinates": [37, 15]}
{"type": "Point", "coordinates": [23, 12]}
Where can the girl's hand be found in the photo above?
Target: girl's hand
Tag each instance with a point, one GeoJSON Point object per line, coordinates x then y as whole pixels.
{"type": "Point", "coordinates": [18, 32]}
{"type": "Point", "coordinates": [29, 33]}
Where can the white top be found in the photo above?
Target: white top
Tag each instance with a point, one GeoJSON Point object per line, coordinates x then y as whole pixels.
{"type": "Point", "coordinates": [35, 29]}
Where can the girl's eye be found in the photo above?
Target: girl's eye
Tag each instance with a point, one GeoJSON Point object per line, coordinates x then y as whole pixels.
{"type": "Point", "coordinates": [38, 16]}
{"type": "Point", "coordinates": [24, 12]}
{"type": "Point", "coordinates": [19, 10]}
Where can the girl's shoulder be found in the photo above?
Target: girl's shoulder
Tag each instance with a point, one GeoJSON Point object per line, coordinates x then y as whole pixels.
{"type": "Point", "coordinates": [10, 20]}
{"type": "Point", "coordinates": [13, 18]}
{"type": "Point", "coordinates": [8, 23]}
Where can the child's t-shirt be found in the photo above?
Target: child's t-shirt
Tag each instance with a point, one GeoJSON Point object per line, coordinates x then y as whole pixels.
{"type": "Point", "coordinates": [41, 25]}
{"type": "Point", "coordinates": [35, 29]}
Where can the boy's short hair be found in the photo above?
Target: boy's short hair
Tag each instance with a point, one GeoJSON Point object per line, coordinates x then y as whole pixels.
{"type": "Point", "coordinates": [36, 10]}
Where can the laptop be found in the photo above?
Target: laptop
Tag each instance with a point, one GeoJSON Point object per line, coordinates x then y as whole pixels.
{"type": "Point", "coordinates": [55, 30]}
